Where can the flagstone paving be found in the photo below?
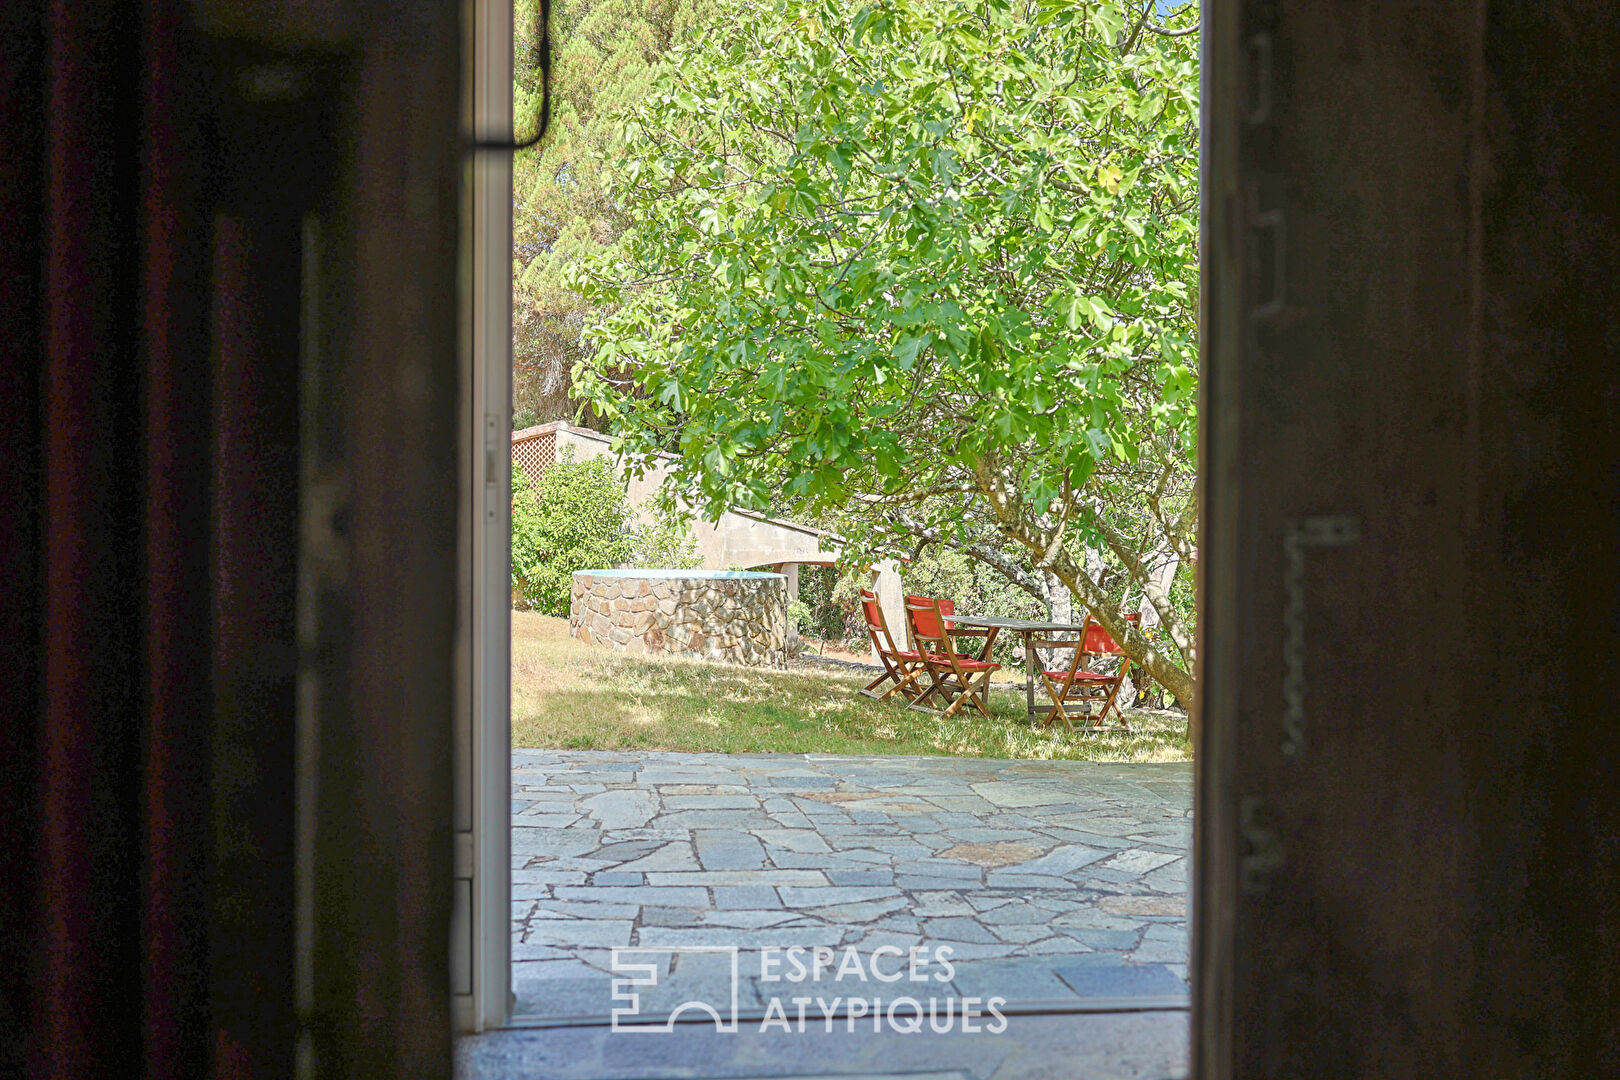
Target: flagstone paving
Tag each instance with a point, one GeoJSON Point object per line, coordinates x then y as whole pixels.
{"type": "Point", "coordinates": [1050, 882]}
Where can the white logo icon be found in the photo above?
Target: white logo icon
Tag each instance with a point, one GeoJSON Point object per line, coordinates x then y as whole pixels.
{"type": "Point", "coordinates": [644, 967]}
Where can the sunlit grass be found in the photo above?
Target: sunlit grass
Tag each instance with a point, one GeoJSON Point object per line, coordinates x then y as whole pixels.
{"type": "Point", "coordinates": [569, 695]}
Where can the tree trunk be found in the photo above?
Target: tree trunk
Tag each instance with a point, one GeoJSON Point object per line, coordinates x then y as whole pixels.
{"type": "Point", "coordinates": [1162, 567]}
{"type": "Point", "coordinates": [1059, 607]}
{"type": "Point", "coordinates": [1165, 671]}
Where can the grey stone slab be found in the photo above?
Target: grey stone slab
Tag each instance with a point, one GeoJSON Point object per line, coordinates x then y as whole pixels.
{"type": "Point", "coordinates": [920, 883]}
{"type": "Point", "coordinates": [940, 868]}
{"type": "Point", "coordinates": [746, 919]}
{"type": "Point", "coordinates": [799, 897]}
{"type": "Point", "coordinates": [622, 851]}
{"type": "Point", "coordinates": [745, 896]}
{"type": "Point", "coordinates": [671, 916]}
{"type": "Point", "coordinates": [973, 950]}
{"type": "Point", "coordinates": [1162, 944]}
{"type": "Point", "coordinates": [864, 911]}
{"type": "Point", "coordinates": [873, 856]}
{"type": "Point", "coordinates": [545, 821]}
{"type": "Point", "coordinates": [1122, 981]}
{"type": "Point", "coordinates": [1004, 793]}
{"type": "Point", "coordinates": [602, 933]}
{"type": "Point", "coordinates": [571, 909]}
{"type": "Point", "coordinates": [1099, 938]}
{"type": "Point", "coordinates": [621, 809]}
{"type": "Point", "coordinates": [526, 950]}
{"type": "Point", "coordinates": [808, 878]}
{"type": "Point", "coordinates": [1140, 860]}
{"type": "Point", "coordinates": [548, 877]}
{"type": "Point", "coordinates": [802, 841]}
{"type": "Point", "coordinates": [1022, 933]}
{"type": "Point", "coordinates": [793, 860]}
{"type": "Point", "coordinates": [636, 894]}
{"type": "Point", "coordinates": [616, 877]}
{"type": "Point", "coordinates": [940, 902]}
{"type": "Point", "coordinates": [1015, 915]}
{"type": "Point", "coordinates": [957, 928]}
{"type": "Point", "coordinates": [1171, 878]}
{"type": "Point", "coordinates": [1034, 979]}
{"type": "Point", "coordinates": [676, 855]}
{"type": "Point", "coordinates": [727, 937]}
{"type": "Point", "coordinates": [1007, 879]}
{"type": "Point", "coordinates": [710, 802]}
{"type": "Point", "coordinates": [554, 842]}
{"type": "Point", "coordinates": [1060, 861]}
{"type": "Point", "coordinates": [728, 851]}
{"type": "Point", "coordinates": [791, 819]}
{"type": "Point", "coordinates": [860, 877]}
{"type": "Point", "coordinates": [744, 820]}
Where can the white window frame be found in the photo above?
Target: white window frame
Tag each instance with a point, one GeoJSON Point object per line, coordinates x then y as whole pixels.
{"type": "Point", "coordinates": [481, 950]}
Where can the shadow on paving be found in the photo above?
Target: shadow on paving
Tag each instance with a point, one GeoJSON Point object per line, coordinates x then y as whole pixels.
{"type": "Point", "coordinates": [1122, 1046]}
{"type": "Point", "coordinates": [923, 886]}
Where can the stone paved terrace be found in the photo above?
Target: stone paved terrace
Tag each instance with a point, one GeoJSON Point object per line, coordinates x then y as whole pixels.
{"type": "Point", "coordinates": [1052, 882]}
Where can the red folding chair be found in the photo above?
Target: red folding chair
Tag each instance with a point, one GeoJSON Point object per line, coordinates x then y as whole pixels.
{"type": "Point", "coordinates": [1082, 687]}
{"type": "Point", "coordinates": [947, 608]}
{"type": "Point", "coordinates": [901, 667]}
{"type": "Point", "coordinates": [966, 679]}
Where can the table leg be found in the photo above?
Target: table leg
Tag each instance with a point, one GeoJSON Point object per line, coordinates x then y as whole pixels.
{"type": "Point", "coordinates": [984, 654]}
{"type": "Point", "coordinates": [1029, 676]}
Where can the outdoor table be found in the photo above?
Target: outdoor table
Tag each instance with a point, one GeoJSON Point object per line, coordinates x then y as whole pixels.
{"type": "Point", "coordinates": [1027, 629]}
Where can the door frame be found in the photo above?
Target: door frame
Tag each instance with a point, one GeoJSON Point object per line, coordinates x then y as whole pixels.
{"type": "Point", "coordinates": [481, 944]}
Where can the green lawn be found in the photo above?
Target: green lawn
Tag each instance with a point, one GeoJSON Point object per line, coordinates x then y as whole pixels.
{"type": "Point", "coordinates": [569, 695]}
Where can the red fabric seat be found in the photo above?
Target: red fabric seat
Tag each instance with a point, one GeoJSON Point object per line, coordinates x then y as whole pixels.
{"type": "Point", "coordinates": [1080, 676]}
{"type": "Point", "coordinates": [964, 663]}
{"type": "Point", "coordinates": [902, 654]}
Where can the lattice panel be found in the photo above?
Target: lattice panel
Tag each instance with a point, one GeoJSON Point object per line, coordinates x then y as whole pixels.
{"type": "Point", "coordinates": [536, 454]}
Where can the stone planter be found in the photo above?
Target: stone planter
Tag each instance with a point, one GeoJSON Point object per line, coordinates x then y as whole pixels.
{"type": "Point", "coordinates": [727, 616]}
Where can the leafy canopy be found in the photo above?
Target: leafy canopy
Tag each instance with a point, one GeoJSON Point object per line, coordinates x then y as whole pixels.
{"type": "Point", "coordinates": [930, 256]}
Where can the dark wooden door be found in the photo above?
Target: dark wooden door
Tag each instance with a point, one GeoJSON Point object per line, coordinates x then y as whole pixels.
{"type": "Point", "coordinates": [1406, 835]}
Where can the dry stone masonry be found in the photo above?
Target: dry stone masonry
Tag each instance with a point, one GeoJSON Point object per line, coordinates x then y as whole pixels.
{"type": "Point", "coordinates": [734, 617]}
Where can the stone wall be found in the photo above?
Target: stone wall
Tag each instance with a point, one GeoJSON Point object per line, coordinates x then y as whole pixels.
{"type": "Point", "coordinates": [726, 616]}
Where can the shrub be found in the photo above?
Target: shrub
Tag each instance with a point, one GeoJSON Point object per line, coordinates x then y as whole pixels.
{"type": "Point", "coordinates": [573, 517]}
{"type": "Point", "coordinates": [665, 541]}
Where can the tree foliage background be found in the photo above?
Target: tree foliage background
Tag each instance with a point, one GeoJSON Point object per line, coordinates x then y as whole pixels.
{"type": "Point", "coordinates": [929, 265]}
{"type": "Point", "coordinates": [607, 56]}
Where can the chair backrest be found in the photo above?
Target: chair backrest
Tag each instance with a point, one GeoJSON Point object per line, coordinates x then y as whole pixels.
{"type": "Point", "coordinates": [928, 625]}
{"type": "Point", "coordinates": [876, 626]}
{"type": "Point", "coordinates": [947, 607]}
{"type": "Point", "coordinates": [1099, 642]}
{"type": "Point", "coordinates": [872, 610]}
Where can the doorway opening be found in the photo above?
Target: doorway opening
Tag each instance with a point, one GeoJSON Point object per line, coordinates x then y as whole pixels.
{"type": "Point", "coordinates": [1055, 887]}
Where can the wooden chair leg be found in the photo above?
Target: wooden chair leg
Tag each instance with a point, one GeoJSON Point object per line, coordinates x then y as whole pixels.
{"type": "Point", "coordinates": [870, 689]}
{"type": "Point", "coordinates": [970, 694]}
{"type": "Point", "coordinates": [1113, 692]}
{"type": "Point", "coordinates": [1059, 693]}
{"type": "Point", "coordinates": [935, 685]}
{"type": "Point", "coordinates": [903, 687]}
